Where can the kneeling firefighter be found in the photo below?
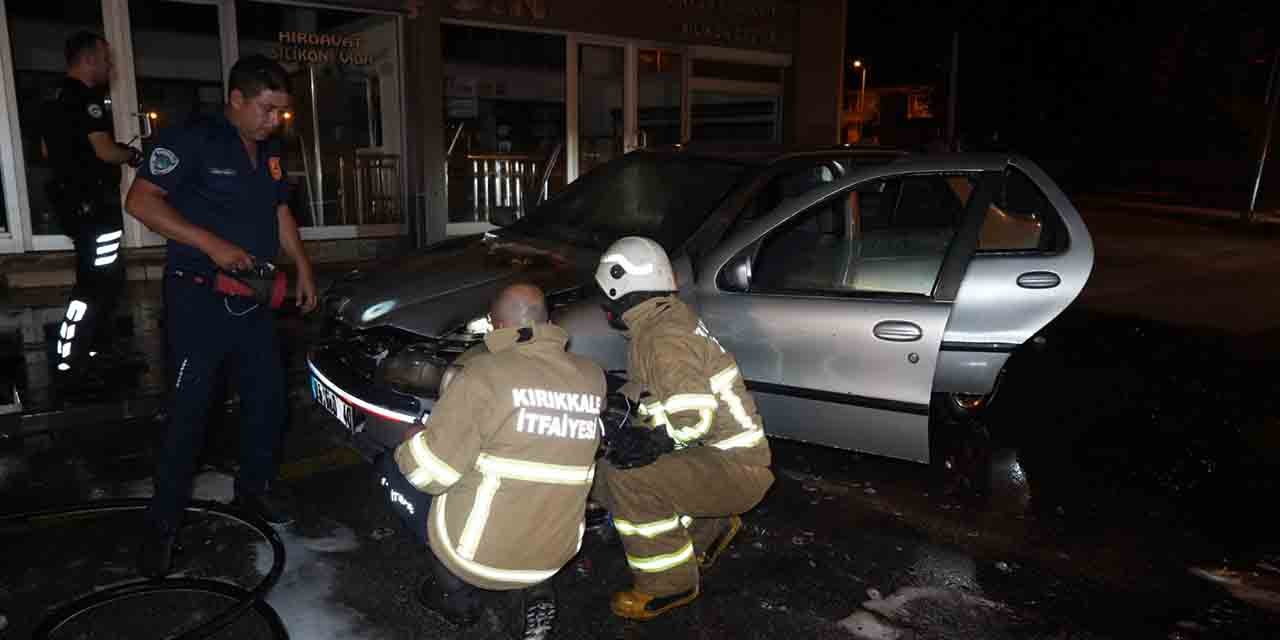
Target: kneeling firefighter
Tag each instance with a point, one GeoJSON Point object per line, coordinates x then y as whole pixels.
{"type": "Point", "coordinates": [497, 482]}
{"type": "Point", "coordinates": [677, 485]}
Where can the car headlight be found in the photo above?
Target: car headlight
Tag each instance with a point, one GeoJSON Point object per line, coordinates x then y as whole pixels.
{"type": "Point", "coordinates": [418, 369]}
{"type": "Point", "coordinates": [479, 326]}
{"type": "Point", "coordinates": [377, 311]}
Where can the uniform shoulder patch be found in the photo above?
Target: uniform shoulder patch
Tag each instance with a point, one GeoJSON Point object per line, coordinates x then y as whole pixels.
{"type": "Point", "coordinates": [95, 110]}
{"type": "Point", "coordinates": [162, 161]}
{"type": "Point", "coordinates": [273, 164]}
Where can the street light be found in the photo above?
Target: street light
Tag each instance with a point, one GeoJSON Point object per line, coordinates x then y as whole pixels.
{"type": "Point", "coordinates": [857, 64]}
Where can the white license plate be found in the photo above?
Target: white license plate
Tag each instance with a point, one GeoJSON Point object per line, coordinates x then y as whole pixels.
{"type": "Point", "coordinates": [334, 405]}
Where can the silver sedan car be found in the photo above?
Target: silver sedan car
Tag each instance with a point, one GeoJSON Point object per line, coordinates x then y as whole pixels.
{"type": "Point", "coordinates": [861, 290]}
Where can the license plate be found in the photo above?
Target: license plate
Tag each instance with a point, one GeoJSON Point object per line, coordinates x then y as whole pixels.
{"type": "Point", "coordinates": [334, 405]}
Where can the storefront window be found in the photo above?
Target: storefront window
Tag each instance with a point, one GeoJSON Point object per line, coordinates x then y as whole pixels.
{"type": "Point", "coordinates": [729, 117]}
{"type": "Point", "coordinates": [660, 94]}
{"type": "Point", "coordinates": [37, 32]}
{"type": "Point", "coordinates": [344, 133]}
{"type": "Point", "coordinates": [504, 120]}
{"type": "Point", "coordinates": [177, 62]}
{"type": "Point", "coordinates": [600, 119]}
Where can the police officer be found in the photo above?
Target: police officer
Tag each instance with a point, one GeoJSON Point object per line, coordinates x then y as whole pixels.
{"type": "Point", "coordinates": [508, 454]}
{"type": "Point", "coordinates": [677, 485]}
{"type": "Point", "coordinates": [77, 139]}
{"type": "Point", "coordinates": [216, 189]}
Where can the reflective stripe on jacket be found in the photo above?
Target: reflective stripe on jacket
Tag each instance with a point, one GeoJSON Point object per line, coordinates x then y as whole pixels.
{"type": "Point", "coordinates": [696, 391]}
{"type": "Point", "coordinates": [509, 450]}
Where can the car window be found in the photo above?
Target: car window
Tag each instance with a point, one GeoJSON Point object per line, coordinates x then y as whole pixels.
{"type": "Point", "coordinates": [885, 237]}
{"type": "Point", "coordinates": [657, 196]}
{"type": "Point", "coordinates": [782, 186]}
{"type": "Point", "coordinates": [1020, 218]}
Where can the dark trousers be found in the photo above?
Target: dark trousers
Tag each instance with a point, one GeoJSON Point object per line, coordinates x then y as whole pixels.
{"type": "Point", "coordinates": [206, 330]}
{"type": "Point", "coordinates": [412, 506]}
{"type": "Point", "coordinates": [88, 324]}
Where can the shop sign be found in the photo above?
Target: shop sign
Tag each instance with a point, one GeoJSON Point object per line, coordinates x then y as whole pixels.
{"type": "Point", "coordinates": [536, 9]}
{"type": "Point", "coordinates": [723, 13]}
{"type": "Point", "coordinates": [319, 48]}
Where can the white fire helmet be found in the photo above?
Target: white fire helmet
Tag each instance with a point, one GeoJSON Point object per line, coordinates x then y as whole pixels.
{"type": "Point", "coordinates": [634, 264]}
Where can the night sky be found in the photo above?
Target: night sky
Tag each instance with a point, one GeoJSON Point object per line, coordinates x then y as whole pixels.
{"type": "Point", "coordinates": [1107, 85]}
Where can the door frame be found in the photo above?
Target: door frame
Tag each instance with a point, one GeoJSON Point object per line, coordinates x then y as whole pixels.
{"type": "Point", "coordinates": [13, 174]}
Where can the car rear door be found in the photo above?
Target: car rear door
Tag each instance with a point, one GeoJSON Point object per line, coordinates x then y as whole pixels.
{"type": "Point", "coordinates": [836, 303]}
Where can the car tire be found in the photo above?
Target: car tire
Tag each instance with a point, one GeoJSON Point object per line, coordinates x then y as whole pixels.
{"type": "Point", "coordinates": [971, 405]}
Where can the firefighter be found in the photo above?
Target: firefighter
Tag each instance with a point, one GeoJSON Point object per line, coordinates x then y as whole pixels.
{"type": "Point", "coordinates": [78, 140]}
{"type": "Point", "coordinates": [496, 482]}
{"type": "Point", "coordinates": [677, 485]}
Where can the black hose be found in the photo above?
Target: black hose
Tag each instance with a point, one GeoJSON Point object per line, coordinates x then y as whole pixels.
{"type": "Point", "coordinates": [245, 599]}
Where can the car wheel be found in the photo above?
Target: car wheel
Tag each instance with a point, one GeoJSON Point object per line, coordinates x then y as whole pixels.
{"type": "Point", "coordinates": [971, 405]}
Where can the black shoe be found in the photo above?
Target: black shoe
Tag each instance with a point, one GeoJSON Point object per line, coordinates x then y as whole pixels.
{"type": "Point", "coordinates": [539, 618]}
{"type": "Point", "coordinates": [155, 554]}
{"type": "Point", "coordinates": [272, 509]}
{"type": "Point", "coordinates": [460, 608]}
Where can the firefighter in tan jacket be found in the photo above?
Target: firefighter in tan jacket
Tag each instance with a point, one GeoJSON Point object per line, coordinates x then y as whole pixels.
{"type": "Point", "coordinates": [508, 454]}
{"type": "Point", "coordinates": [676, 489]}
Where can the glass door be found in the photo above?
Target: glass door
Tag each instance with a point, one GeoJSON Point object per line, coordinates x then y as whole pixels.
{"type": "Point", "coordinates": [661, 94]}
{"type": "Point", "coordinates": [177, 70]}
{"type": "Point", "coordinates": [601, 125]}
{"type": "Point", "coordinates": [343, 139]}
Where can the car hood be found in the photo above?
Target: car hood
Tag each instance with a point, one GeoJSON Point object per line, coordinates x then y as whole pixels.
{"type": "Point", "coordinates": [438, 291]}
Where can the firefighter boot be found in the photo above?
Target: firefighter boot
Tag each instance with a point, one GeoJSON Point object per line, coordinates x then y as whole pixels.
{"type": "Point", "coordinates": [637, 605]}
{"type": "Point", "coordinates": [721, 542]}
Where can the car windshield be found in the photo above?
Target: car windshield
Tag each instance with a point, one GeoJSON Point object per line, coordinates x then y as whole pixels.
{"type": "Point", "coordinates": [657, 196]}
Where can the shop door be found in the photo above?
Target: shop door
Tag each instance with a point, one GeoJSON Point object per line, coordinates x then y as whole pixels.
{"type": "Point", "coordinates": [660, 96]}
{"type": "Point", "coordinates": [601, 101]}
{"type": "Point", "coordinates": [171, 72]}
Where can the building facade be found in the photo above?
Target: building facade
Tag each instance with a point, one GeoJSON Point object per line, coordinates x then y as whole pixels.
{"type": "Point", "coordinates": [415, 120]}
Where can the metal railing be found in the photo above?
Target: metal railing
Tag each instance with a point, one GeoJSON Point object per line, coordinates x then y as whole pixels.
{"type": "Point", "coordinates": [374, 193]}
{"type": "Point", "coordinates": [486, 187]}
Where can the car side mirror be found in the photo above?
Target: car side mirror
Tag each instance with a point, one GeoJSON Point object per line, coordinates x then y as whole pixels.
{"type": "Point", "coordinates": [736, 274]}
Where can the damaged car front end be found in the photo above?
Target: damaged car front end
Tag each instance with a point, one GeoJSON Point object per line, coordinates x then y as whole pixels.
{"type": "Point", "coordinates": [380, 369]}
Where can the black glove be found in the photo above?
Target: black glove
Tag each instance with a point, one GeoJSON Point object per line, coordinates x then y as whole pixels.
{"type": "Point", "coordinates": [632, 447]}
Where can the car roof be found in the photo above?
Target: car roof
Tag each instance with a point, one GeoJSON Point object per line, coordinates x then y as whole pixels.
{"type": "Point", "coordinates": [763, 154]}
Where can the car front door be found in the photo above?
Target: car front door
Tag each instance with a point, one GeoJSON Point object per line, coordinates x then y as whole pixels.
{"type": "Point", "coordinates": [835, 304]}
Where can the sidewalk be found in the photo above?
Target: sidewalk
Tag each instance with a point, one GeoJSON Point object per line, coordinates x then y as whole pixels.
{"type": "Point", "coordinates": [1168, 204]}
{"type": "Point", "coordinates": [29, 319]}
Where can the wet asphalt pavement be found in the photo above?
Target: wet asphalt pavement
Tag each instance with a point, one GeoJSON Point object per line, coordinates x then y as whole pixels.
{"type": "Point", "coordinates": [1131, 451]}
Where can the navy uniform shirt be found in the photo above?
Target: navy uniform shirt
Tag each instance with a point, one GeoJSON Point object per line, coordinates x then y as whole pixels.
{"type": "Point", "coordinates": [66, 123]}
{"type": "Point", "coordinates": [205, 169]}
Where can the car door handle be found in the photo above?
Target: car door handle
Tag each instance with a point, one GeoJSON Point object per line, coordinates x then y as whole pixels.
{"type": "Point", "coordinates": [1039, 280]}
{"type": "Point", "coordinates": [898, 331]}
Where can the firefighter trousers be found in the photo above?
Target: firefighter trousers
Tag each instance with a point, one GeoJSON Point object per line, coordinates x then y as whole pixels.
{"type": "Point", "coordinates": [667, 513]}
